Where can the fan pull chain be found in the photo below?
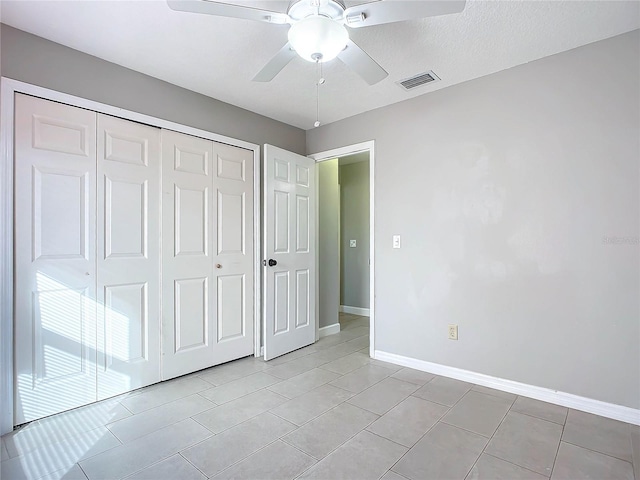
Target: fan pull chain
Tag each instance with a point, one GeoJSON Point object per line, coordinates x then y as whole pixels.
{"type": "Point", "coordinates": [318, 83]}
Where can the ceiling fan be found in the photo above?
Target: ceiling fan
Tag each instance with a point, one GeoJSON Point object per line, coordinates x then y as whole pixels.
{"type": "Point", "coordinates": [317, 30]}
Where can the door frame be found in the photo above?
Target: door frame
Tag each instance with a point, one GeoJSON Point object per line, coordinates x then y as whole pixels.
{"type": "Point", "coordinates": [8, 89]}
{"type": "Point", "coordinates": [368, 146]}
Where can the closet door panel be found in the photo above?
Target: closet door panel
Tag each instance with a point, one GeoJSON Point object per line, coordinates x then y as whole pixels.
{"type": "Point", "coordinates": [188, 298]}
{"type": "Point", "coordinates": [55, 236]}
{"type": "Point", "coordinates": [128, 251]}
{"type": "Point", "coordinates": [207, 253]}
{"type": "Point", "coordinates": [233, 183]}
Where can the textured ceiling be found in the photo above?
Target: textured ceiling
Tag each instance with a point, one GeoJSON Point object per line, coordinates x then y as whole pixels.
{"type": "Point", "coordinates": [218, 57]}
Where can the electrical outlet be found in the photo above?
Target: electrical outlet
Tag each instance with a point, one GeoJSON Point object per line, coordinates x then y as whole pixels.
{"type": "Point", "coordinates": [396, 241]}
{"type": "Point", "coordinates": [352, 243]}
{"type": "Point", "coordinates": [453, 332]}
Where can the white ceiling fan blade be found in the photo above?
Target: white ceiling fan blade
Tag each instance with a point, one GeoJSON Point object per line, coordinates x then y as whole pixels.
{"type": "Point", "coordinates": [389, 11]}
{"type": "Point", "coordinates": [276, 64]}
{"type": "Point", "coordinates": [227, 10]}
{"type": "Point", "coordinates": [357, 60]}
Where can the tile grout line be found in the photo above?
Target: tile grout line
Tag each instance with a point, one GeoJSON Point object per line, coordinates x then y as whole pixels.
{"type": "Point", "coordinates": [309, 467]}
{"type": "Point", "coordinates": [318, 460]}
{"type": "Point", "coordinates": [311, 419]}
{"type": "Point", "coordinates": [341, 444]}
{"type": "Point", "coordinates": [297, 426]}
{"type": "Point", "coordinates": [555, 457]}
{"type": "Point", "coordinates": [425, 433]}
{"type": "Point", "coordinates": [320, 365]}
{"type": "Point", "coordinates": [539, 418]}
{"type": "Point", "coordinates": [530, 416]}
{"type": "Point", "coordinates": [82, 470]}
{"type": "Point", "coordinates": [514, 464]}
{"type": "Point", "coordinates": [154, 463]}
{"type": "Point", "coordinates": [205, 427]}
{"type": "Point", "coordinates": [484, 450]}
{"type": "Point", "coordinates": [395, 473]}
{"type": "Point", "coordinates": [144, 468]}
{"type": "Point", "coordinates": [164, 426]}
{"type": "Point", "coordinates": [367, 388]}
{"type": "Point", "coordinates": [385, 438]}
{"type": "Point", "coordinates": [68, 439]}
{"type": "Point", "coordinates": [201, 441]}
{"type": "Point", "coordinates": [187, 460]}
{"type": "Point", "coordinates": [125, 407]}
{"type": "Point", "coordinates": [244, 395]}
{"type": "Point", "coordinates": [595, 451]}
{"type": "Point", "coordinates": [449, 408]}
{"type": "Point", "coordinates": [465, 429]}
{"type": "Point", "coordinates": [279, 439]}
{"type": "Point", "coordinates": [214, 403]}
{"type": "Point", "coordinates": [388, 410]}
{"type": "Point", "coordinates": [213, 434]}
{"type": "Point", "coordinates": [244, 421]}
{"type": "Point", "coordinates": [164, 403]}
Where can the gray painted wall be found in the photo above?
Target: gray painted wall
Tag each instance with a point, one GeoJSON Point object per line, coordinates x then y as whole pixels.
{"type": "Point", "coordinates": [41, 62]}
{"type": "Point", "coordinates": [354, 225]}
{"type": "Point", "coordinates": [329, 242]}
{"type": "Point", "coordinates": [507, 191]}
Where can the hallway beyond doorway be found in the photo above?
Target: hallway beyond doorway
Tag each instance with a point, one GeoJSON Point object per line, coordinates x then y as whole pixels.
{"type": "Point", "coordinates": [349, 321]}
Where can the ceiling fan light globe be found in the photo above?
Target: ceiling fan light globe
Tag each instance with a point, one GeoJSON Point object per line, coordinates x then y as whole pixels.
{"type": "Point", "coordinates": [318, 38]}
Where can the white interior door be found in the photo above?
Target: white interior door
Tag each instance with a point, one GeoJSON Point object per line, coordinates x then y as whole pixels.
{"type": "Point", "coordinates": [55, 258]}
{"type": "Point", "coordinates": [207, 278]}
{"type": "Point", "coordinates": [290, 252]}
{"type": "Point", "coordinates": [128, 255]}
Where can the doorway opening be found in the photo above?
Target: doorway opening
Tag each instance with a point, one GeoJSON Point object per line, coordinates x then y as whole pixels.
{"type": "Point", "coordinates": [345, 276]}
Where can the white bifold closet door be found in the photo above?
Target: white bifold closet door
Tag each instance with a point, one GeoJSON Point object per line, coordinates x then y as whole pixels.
{"type": "Point", "coordinates": [87, 228]}
{"type": "Point", "coordinates": [128, 256]}
{"type": "Point", "coordinates": [55, 258]}
{"type": "Point", "coordinates": [207, 270]}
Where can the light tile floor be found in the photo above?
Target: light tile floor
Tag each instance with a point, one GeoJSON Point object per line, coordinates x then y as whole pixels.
{"type": "Point", "coordinates": [326, 411]}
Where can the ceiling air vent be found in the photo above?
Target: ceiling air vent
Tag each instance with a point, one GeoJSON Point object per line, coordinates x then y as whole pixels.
{"type": "Point", "coordinates": [418, 80]}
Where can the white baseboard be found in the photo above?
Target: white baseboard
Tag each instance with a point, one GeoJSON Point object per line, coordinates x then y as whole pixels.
{"type": "Point", "coordinates": [329, 330]}
{"type": "Point", "coordinates": [354, 310]}
{"type": "Point", "coordinates": [589, 405]}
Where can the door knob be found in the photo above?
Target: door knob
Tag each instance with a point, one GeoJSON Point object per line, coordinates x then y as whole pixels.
{"type": "Point", "coordinates": [218, 265]}
{"type": "Point", "coordinates": [272, 262]}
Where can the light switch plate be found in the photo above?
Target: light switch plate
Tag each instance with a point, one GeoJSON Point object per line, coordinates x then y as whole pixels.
{"type": "Point", "coordinates": [396, 241]}
{"type": "Point", "coordinates": [352, 243]}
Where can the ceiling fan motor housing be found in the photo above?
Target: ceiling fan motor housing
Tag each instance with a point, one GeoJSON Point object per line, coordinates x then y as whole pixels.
{"type": "Point", "coordinates": [327, 8]}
